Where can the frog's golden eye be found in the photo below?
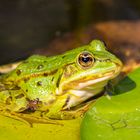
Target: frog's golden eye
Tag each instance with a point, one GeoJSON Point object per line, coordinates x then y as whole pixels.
{"type": "Point", "coordinates": [86, 60]}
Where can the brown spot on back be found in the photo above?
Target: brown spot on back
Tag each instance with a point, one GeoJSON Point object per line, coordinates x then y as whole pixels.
{"type": "Point", "coordinates": [39, 83]}
{"type": "Point", "coordinates": [26, 79]}
{"type": "Point", "coordinates": [36, 75]}
{"type": "Point", "coordinates": [15, 88]}
{"type": "Point", "coordinates": [45, 74]}
{"type": "Point", "coordinates": [19, 96]}
{"type": "Point", "coordinates": [50, 73]}
{"type": "Point", "coordinates": [40, 67]}
{"type": "Point", "coordinates": [18, 72]}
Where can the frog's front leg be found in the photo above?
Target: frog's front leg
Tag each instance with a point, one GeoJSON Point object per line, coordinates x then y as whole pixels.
{"type": "Point", "coordinates": [60, 110]}
{"type": "Point", "coordinates": [76, 113]}
{"type": "Point", "coordinates": [28, 118]}
{"type": "Point", "coordinates": [69, 113]}
{"type": "Point", "coordinates": [54, 112]}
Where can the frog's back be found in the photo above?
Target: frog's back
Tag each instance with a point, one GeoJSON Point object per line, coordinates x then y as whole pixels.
{"type": "Point", "coordinates": [42, 65]}
{"type": "Point", "coordinates": [35, 65]}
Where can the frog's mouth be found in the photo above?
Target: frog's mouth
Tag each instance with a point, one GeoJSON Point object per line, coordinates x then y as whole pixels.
{"type": "Point", "coordinates": [82, 89]}
{"type": "Point", "coordinates": [95, 80]}
{"type": "Point", "coordinates": [89, 81]}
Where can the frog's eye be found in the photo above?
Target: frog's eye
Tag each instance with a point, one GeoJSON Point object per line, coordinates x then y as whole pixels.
{"type": "Point", "coordinates": [86, 60]}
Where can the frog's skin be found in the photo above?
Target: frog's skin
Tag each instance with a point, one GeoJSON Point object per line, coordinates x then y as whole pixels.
{"type": "Point", "coordinates": [52, 85]}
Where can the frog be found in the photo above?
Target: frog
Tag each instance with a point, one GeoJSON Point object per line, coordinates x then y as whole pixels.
{"type": "Point", "coordinates": [58, 87]}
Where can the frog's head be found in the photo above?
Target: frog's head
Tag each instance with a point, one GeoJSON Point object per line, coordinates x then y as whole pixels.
{"type": "Point", "coordinates": [89, 68]}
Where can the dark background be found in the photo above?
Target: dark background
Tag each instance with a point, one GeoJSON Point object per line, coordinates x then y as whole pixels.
{"type": "Point", "coordinates": [26, 25]}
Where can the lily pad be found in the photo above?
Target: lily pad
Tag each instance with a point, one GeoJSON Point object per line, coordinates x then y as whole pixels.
{"type": "Point", "coordinates": [116, 117]}
{"type": "Point", "coordinates": [11, 129]}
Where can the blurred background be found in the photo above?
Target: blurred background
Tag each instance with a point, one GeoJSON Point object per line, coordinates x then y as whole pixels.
{"type": "Point", "coordinates": [30, 26]}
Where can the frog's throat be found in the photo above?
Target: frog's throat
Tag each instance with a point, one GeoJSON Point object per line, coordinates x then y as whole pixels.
{"type": "Point", "coordinates": [85, 91]}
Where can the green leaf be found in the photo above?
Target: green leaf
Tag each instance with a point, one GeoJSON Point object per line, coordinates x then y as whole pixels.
{"type": "Point", "coordinates": [116, 117]}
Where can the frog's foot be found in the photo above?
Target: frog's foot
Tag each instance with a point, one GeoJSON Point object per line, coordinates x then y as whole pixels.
{"type": "Point", "coordinates": [76, 112]}
{"type": "Point", "coordinates": [29, 119]}
{"type": "Point", "coordinates": [9, 114]}
{"type": "Point", "coordinates": [71, 113]}
{"type": "Point", "coordinates": [37, 118]}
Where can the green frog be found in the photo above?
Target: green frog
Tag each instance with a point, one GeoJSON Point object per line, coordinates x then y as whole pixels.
{"type": "Point", "coordinates": [51, 87]}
